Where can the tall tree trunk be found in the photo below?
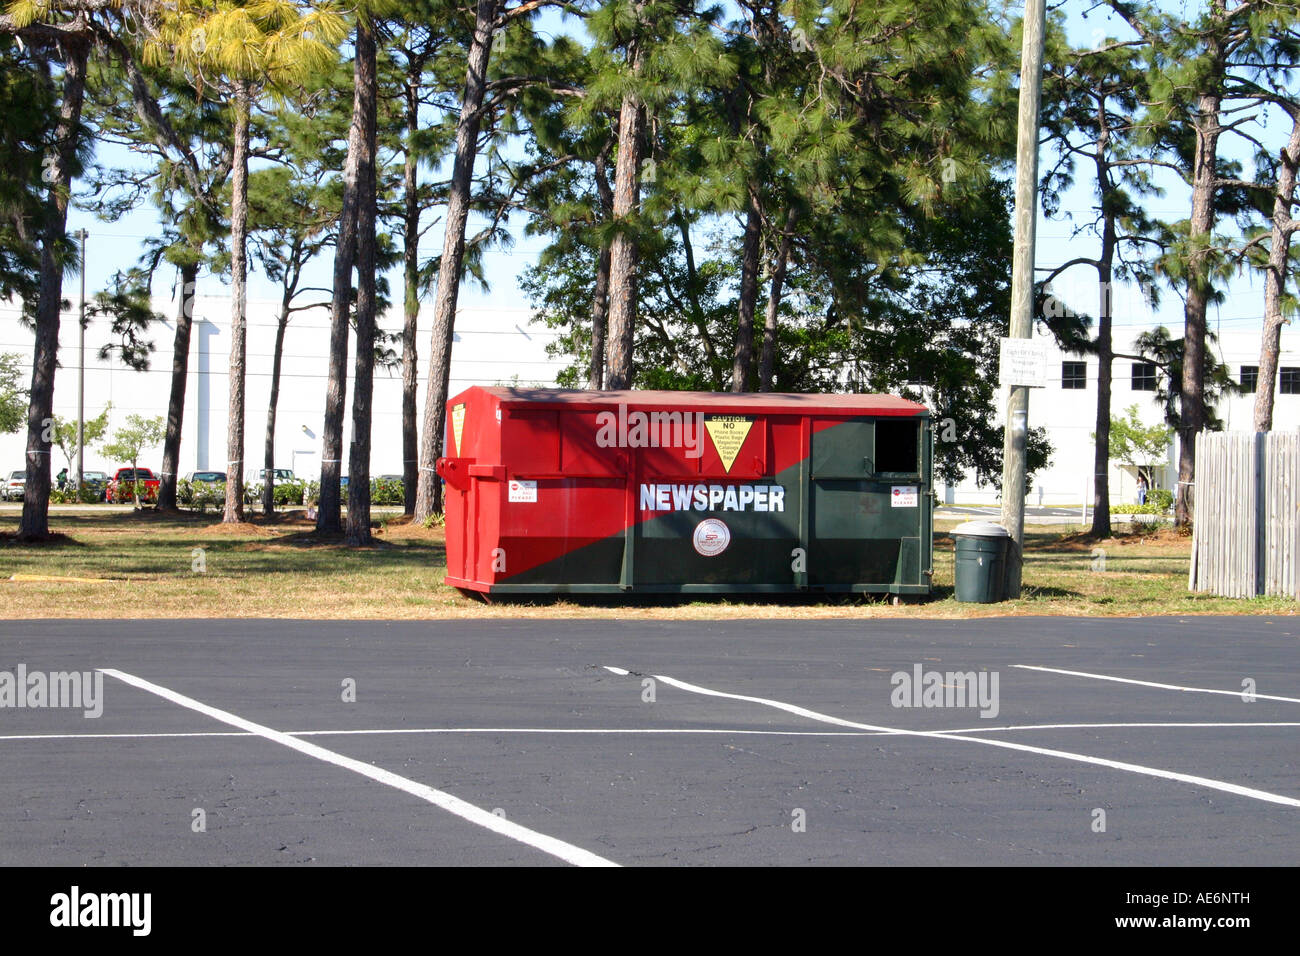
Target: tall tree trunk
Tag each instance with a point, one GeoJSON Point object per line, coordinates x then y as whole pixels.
{"type": "Point", "coordinates": [428, 499]}
{"type": "Point", "coordinates": [411, 298]}
{"type": "Point", "coordinates": [767, 363]}
{"type": "Point", "coordinates": [1279, 252]}
{"type": "Point", "coordinates": [600, 297]}
{"type": "Point", "coordinates": [234, 511]}
{"type": "Point", "coordinates": [34, 524]}
{"type": "Point", "coordinates": [742, 366]}
{"type": "Point", "coordinates": [358, 528]}
{"type": "Point", "coordinates": [623, 247]}
{"type": "Point", "coordinates": [268, 445]}
{"type": "Point", "coordinates": [1192, 404]}
{"type": "Point", "coordinates": [176, 400]}
{"type": "Point", "coordinates": [1105, 358]}
{"type": "Point", "coordinates": [327, 516]}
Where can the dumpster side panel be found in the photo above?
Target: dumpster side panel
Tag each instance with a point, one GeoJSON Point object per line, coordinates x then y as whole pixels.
{"type": "Point", "coordinates": [570, 532]}
{"type": "Point", "coordinates": [471, 438]}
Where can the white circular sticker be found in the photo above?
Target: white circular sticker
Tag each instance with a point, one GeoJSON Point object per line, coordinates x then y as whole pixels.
{"type": "Point", "coordinates": [711, 537]}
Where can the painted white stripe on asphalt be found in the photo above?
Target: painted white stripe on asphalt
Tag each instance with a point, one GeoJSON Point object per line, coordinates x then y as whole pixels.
{"type": "Point", "coordinates": [1005, 744]}
{"type": "Point", "coordinates": [458, 730]}
{"type": "Point", "coordinates": [1147, 683]}
{"type": "Point", "coordinates": [461, 808]}
{"type": "Point", "coordinates": [1120, 726]}
{"type": "Point", "coordinates": [642, 730]}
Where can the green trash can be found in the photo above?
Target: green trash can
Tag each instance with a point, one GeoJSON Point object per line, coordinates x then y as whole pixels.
{"type": "Point", "coordinates": [981, 563]}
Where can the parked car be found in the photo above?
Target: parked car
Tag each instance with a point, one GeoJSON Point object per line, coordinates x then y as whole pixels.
{"type": "Point", "coordinates": [126, 478]}
{"type": "Point", "coordinates": [14, 485]}
{"type": "Point", "coordinates": [96, 481]}
{"type": "Point", "coordinates": [281, 474]}
{"type": "Point", "coordinates": [207, 477]}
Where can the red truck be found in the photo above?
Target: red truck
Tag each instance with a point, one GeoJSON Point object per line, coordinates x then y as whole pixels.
{"type": "Point", "coordinates": [125, 478]}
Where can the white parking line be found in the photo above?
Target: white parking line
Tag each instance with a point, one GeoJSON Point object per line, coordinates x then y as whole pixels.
{"type": "Point", "coordinates": [1146, 683]}
{"type": "Point", "coordinates": [461, 808]}
{"type": "Point", "coordinates": [1005, 744]}
{"type": "Point", "coordinates": [725, 731]}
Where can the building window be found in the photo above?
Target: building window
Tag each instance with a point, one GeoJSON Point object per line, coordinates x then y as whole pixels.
{"type": "Point", "coordinates": [1249, 378]}
{"type": "Point", "coordinates": [1074, 375]}
{"type": "Point", "coordinates": [1144, 377]}
{"type": "Point", "coordinates": [1290, 381]}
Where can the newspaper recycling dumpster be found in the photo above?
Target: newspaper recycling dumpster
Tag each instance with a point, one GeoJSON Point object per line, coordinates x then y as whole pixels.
{"type": "Point", "coordinates": [980, 566]}
{"type": "Point", "coordinates": [558, 491]}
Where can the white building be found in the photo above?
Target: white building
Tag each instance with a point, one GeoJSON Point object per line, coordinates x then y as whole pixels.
{"type": "Point", "coordinates": [1068, 409]}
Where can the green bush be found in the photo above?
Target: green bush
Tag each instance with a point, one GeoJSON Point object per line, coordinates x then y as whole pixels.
{"type": "Point", "coordinates": [88, 496]}
{"type": "Point", "coordinates": [1162, 498]}
{"type": "Point", "coordinates": [387, 492]}
{"type": "Point", "coordinates": [289, 493]}
{"type": "Point", "coordinates": [200, 495]}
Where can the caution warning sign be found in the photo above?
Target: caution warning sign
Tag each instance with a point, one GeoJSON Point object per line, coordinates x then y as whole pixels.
{"type": "Point", "coordinates": [457, 424]}
{"type": "Point", "coordinates": [728, 433]}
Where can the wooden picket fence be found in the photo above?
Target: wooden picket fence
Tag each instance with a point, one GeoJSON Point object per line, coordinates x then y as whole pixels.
{"type": "Point", "coordinates": [1246, 538]}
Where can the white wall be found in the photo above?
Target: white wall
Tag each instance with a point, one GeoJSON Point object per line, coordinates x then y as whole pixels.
{"type": "Point", "coordinates": [493, 346]}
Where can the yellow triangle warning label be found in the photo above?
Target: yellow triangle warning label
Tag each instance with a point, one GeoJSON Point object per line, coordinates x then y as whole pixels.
{"type": "Point", "coordinates": [457, 424]}
{"type": "Point", "coordinates": [728, 433]}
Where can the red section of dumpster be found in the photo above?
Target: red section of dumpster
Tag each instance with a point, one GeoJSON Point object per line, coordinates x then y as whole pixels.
{"type": "Point", "coordinates": [533, 476]}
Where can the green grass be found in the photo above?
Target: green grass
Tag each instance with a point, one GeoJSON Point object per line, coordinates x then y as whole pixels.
{"type": "Point", "coordinates": [144, 566]}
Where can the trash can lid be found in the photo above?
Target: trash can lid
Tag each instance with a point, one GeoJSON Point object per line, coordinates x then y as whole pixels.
{"type": "Point", "coordinates": [980, 529]}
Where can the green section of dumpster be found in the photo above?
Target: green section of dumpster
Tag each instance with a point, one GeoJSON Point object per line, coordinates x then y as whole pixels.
{"type": "Point", "coordinates": [981, 562]}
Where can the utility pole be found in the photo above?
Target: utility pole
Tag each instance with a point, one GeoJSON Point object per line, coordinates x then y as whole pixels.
{"type": "Point", "coordinates": [81, 368]}
{"type": "Point", "coordinates": [1016, 427]}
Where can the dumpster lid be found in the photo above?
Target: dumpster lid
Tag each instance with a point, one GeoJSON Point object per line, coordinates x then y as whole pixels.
{"type": "Point", "coordinates": [980, 529]}
{"type": "Point", "coordinates": [725, 402]}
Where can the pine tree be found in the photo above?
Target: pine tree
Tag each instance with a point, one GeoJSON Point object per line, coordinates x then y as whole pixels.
{"type": "Point", "coordinates": [358, 524]}
{"type": "Point", "coordinates": [241, 49]}
{"type": "Point", "coordinates": [293, 214]}
{"type": "Point", "coordinates": [1094, 115]}
{"type": "Point", "coordinates": [1197, 65]}
{"type": "Point", "coordinates": [481, 97]}
{"type": "Point", "coordinates": [182, 137]}
{"type": "Point", "coordinates": [64, 40]}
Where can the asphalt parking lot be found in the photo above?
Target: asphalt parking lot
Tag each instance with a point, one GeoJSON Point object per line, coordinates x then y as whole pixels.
{"type": "Point", "coordinates": [1103, 742]}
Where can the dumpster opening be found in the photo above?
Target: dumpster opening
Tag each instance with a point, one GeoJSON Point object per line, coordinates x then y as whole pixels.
{"type": "Point", "coordinates": [898, 447]}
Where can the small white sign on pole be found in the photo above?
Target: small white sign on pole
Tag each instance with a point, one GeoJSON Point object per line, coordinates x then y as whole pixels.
{"type": "Point", "coordinates": [1023, 362]}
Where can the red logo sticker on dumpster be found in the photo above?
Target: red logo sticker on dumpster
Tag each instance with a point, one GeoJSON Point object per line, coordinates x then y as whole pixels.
{"type": "Point", "coordinates": [711, 537]}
